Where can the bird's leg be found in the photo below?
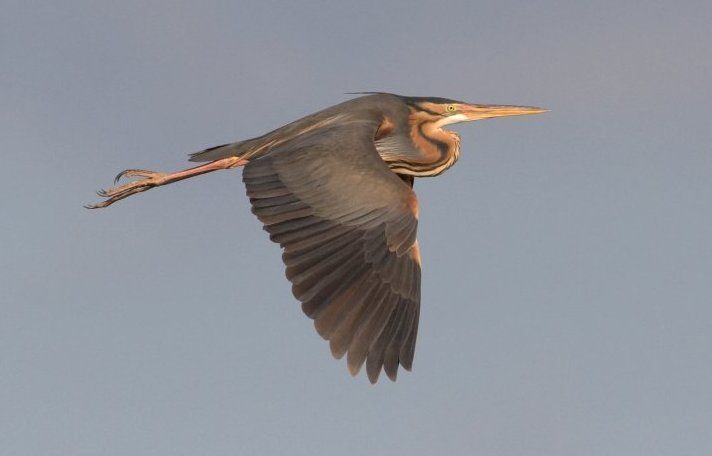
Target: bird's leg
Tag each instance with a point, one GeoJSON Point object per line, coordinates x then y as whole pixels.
{"type": "Point", "coordinates": [152, 179]}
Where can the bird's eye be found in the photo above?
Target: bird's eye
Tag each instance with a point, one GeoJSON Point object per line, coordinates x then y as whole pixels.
{"type": "Point", "coordinates": [450, 108]}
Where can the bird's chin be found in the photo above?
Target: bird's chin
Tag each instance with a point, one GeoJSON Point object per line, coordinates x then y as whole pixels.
{"type": "Point", "coordinates": [453, 119]}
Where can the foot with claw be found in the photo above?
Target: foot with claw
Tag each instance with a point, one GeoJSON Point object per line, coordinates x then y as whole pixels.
{"type": "Point", "coordinates": [150, 179]}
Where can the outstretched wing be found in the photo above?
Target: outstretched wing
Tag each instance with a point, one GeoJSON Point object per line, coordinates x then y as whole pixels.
{"type": "Point", "coordinates": [347, 225]}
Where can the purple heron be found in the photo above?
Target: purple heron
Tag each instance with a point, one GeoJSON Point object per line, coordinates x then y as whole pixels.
{"type": "Point", "coordinates": [335, 190]}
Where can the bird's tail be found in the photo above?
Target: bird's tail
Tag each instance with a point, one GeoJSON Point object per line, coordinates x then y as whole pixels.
{"type": "Point", "coordinates": [218, 152]}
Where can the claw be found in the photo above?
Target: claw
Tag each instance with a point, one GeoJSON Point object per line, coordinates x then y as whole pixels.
{"type": "Point", "coordinates": [134, 173]}
{"type": "Point", "coordinates": [151, 179]}
{"type": "Point", "coordinates": [117, 194]}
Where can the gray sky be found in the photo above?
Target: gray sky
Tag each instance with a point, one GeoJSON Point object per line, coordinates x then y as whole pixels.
{"type": "Point", "coordinates": [567, 257]}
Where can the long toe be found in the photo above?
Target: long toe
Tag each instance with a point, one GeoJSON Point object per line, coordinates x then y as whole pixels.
{"type": "Point", "coordinates": [136, 173]}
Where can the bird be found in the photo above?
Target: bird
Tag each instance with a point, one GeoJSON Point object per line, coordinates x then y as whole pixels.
{"type": "Point", "coordinates": [335, 190]}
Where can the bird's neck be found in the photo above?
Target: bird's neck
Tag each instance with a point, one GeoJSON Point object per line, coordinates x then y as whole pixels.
{"type": "Point", "coordinates": [421, 148]}
{"type": "Point", "coordinates": [437, 149]}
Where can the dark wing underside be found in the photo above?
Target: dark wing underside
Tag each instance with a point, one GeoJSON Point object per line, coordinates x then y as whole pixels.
{"type": "Point", "coordinates": [347, 225]}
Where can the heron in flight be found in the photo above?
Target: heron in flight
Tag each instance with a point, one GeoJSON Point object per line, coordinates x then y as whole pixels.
{"type": "Point", "coordinates": [335, 190]}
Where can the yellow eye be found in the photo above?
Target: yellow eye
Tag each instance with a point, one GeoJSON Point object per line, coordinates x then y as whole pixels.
{"type": "Point", "coordinates": [450, 108]}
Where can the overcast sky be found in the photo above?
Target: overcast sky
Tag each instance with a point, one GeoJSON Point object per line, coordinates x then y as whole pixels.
{"type": "Point", "coordinates": [567, 260]}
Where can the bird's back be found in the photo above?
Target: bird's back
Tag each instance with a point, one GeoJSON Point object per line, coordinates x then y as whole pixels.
{"type": "Point", "coordinates": [370, 108]}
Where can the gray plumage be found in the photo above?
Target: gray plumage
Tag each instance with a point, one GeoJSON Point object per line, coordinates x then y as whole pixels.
{"type": "Point", "coordinates": [334, 190]}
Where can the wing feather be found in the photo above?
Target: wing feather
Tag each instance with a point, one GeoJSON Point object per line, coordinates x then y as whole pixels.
{"type": "Point", "coordinates": [347, 225]}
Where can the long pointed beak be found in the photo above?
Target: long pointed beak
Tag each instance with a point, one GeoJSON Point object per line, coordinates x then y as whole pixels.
{"type": "Point", "coordinates": [477, 112]}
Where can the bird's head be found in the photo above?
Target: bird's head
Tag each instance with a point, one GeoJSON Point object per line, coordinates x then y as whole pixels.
{"type": "Point", "coordinates": [448, 111]}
